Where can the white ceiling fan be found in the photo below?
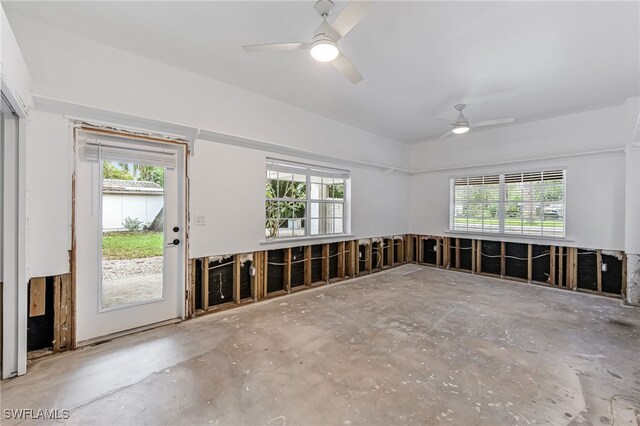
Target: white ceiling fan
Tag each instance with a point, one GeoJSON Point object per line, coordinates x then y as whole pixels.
{"type": "Point", "coordinates": [324, 44]}
{"type": "Point", "coordinates": [461, 124]}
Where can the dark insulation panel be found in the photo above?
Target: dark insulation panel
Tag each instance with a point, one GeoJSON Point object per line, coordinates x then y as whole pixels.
{"type": "Point", "coordinates": [40, 328]}
{"type": "Point", "coordinates": [587, 269]}
{"type": "Point", "coordinates": [275, 270]}
{"type": "Point", "coordinates": [396, 250]}
{"type": "Point", "coordinates": [297, 266]}
{"type": "Point", "coordinates": [198, 279]}
{"type": "Point", "coordinates": [490, 262]}
{"type": "Point", "coordinates": [564, 269]}
{"type": "Point", "coordinates": [376, 257]}
{"type": "Point", "coordinates": [245, 280]}
{"type": "Point", "coordinates": [221, 281]}
{"type": "Point", "coordinates": [316, 263]}
{"type": "Point", "coordinates": [429, 251]}
{"type": "Point", "coordinates": [612, 277]}
{"type": "Point", "coordinates": [465, 254]}
{"type": "Point", "coordinates": [414, 252]}
{"type": "Point", "coordinates": [540, 259]}
{"type": "Point", "coordinates": [516, 263]}
{"type": "Point", "coordinates": [333, 260]}
{"type": "Point", "coordinates": [362, 257]}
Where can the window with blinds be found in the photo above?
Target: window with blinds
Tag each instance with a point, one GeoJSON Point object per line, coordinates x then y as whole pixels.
{"type": "Point", "coordinates": [304, 200]}
{"type": "Point", "coordinates": [528, 203]}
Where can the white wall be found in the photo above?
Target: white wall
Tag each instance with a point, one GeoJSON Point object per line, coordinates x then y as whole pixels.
{"type": "Point", "coordinates": [227, 182]}
{"type": "Point", "coordinates": [49, 169]}
{"type": "Point", "coordinates": [227, 186]}
{"type": "Point", "coordinates": [595, 183]}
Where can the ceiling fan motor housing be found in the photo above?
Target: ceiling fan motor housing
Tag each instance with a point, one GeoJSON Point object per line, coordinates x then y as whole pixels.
{"type": "Point", "coordinates": [324, 7]}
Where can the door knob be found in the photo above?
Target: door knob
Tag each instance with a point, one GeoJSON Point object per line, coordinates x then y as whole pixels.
{"type": "Point", "coordinates": [175, 242]}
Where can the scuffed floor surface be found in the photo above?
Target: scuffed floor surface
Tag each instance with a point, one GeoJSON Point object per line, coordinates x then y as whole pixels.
{"type": "Point", "coordinates": [411, 345]}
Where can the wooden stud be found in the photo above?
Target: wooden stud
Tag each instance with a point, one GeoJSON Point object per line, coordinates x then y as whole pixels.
{"type": "Point", "coordinates": [457, 253]}
{"type": "Point", "coordinates": [325, 263]}
{"type": "Point", "coordinates": [37, 296]}
{"type": "Point", "coordinates": [390, 252]}
{"type": "Point", "coordinates": [479, 256]}
{"type": "Point", "coordinates": [552, 265]}
{"type": "Point", "coordinates": [446, 252]}
{"type": "Point", "coordinates": [401, 245]}
{"type": "Point", "coordinates": [473, 256]}
{"type": "Point", "coordinates": [529, 262]}
{"type": "Point", "coordinates": [205, 284]}
{"type": "Point", "coordinates": [287, 270]}
{"type": "Point", "coordinates": [265, 276]}
{"type": "Point", "coordinates": [503, 259]}
{"type": "Point", "coordinates": [73, 265]}
{"type": "Point", "coordinates": [236, 278]}
{"type": "Point", "coordinates": [356, 254]}
{"type": "Point", "coordinates": [419, 249]}
{"type": "Point", "coordinates": [341, 259]}
{"type": "Point", "coordinates": [624, 277]}
{"type": "Point", "coordinates": [56, 313]}
{"type": "Point", "coordinates": [438, 252]}
{"type": "Point", "coordinates": [599, 270]}
{"type": "Point", "coordinates": [561, 267]}
{"type": "Point", "coordinates": [307, 266]}
{"type": "Point", "coordinates": [574, 267]}
{"type": "Point", "coordinates": [62, 313]}
{"type": "Point", "coordinates": [369, 256]}
{"type": "Point", "coordinates": [192, 284]}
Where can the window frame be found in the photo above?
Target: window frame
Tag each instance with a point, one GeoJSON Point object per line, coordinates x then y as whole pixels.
{"type": "Point", "coordinates": [310, 171]}
{"type": "Point", "coordinates": [503, 203]}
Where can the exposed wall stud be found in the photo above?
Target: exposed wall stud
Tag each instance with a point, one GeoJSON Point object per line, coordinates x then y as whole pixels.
{"type": "Point", "coordinates": [438, 252]}
{"type": "Point", "coordinates": [369, 256]}
{"type": "Point", "coordinates": [325, 263]}
{"type": "Point", "coordinates": [37, 296]}
{"type": "Point", "coordinates": [341, 259]}
{"type": "Point", "coordinates": [599, 270]}
{"type": "Point", "coordinates": [307, 266]}
{"type": "Point", "coordinates": [561, 282]}
{"type": "Point", "coordinates": [503, 259]}
{"type": "Point", "coordinates": [552, 265]}
{"type": "Point", "coordinates": [236, 278]}
{"type": "Point", "coordinates": [205, 284]}
{"type": "Point", "coordinates": [529, 262]}
{"type": "Point", "coordinates": [457, 253]}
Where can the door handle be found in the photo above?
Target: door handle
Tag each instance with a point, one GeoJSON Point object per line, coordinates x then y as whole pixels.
{"type": "Point", "coordinates": [174, 242]}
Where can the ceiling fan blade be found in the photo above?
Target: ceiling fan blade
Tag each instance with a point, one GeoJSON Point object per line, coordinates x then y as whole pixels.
{"type": "Point", "coordinates": [344, 65]}
{"type": "Point", "coordinates": [352, 13]}
{"type": "Point", "coordinates": [276, 47]}
{"type": "Point", "coordinates": [449, 133]}
{"type": "Point", "coordinates": [444, 120]}
{"type": "Point", "coordinates": [492, 122]}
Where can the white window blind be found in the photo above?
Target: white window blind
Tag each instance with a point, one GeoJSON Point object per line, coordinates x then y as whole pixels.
{"type": "Point", "coordinates": [114, 149]}
{"type": "Point", "coordinates": [304, 200]}
{"type": "Point", "coordinates": [528, 203]}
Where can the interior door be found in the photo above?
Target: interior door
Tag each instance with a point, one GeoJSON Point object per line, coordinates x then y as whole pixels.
{"type": "Point", "coordinates": [130, 228]}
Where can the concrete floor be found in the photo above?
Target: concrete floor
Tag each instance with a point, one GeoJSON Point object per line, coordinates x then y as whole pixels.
{"type": "Point", "coordinates": [410, 345]}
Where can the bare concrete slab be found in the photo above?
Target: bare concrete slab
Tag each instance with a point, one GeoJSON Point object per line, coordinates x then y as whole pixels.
{"type": "Point", "coordinates": [412, 345]}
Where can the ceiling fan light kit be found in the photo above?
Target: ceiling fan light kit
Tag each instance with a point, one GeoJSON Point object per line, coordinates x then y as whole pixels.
{"type": "Point", "coordinates": [324, 50]}
{"type": "Point", "coordinates": [461, 125]}
{"type": "Point", "coordinates": [324, 44]}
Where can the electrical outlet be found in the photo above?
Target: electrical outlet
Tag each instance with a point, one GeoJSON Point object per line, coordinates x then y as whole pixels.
{"type": "Point", "coordinates": [252, 271]}
{"type": "Point", "coordinates": [604, 267]}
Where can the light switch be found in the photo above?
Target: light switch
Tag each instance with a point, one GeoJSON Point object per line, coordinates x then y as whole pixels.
{"type": "Point", "coordinates": [200, 219]}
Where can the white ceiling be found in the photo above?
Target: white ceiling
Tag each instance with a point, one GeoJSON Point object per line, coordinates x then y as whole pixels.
{"type": "Point", "coordinates": [522, 59]}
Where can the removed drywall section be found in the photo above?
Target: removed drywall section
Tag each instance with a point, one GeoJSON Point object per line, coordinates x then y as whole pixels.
{"type": "Point", "coordinates": [317, 261]}
{"type": "Point", "coordinates": [490, 258]}
{"type": "Point", "coordinates": [40, 324]}
{"type": "Point", "coordinates": [275, 270]}
{"type": "Point", "coordinates": [465, 253]}
{"type": "Point", "coordinates": [429, 250]}
{"type": "Point", "coordinates": [540, 263]}
{"type": "Point", "coordinates": [587, 269]}
{"type": "Point", "coordinates": [220, 285]}
{"type": "Point", "coordinates": [516, 260]}
{"type": "Point", "coordinates": [297, 266]}
{"type": "Point", "coordinates": [333, 260]}
{"type": "Point", "coordinates": [612, 273]}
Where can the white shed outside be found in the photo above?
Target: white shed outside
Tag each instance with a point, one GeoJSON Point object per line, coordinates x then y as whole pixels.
{"type": "Point", "coordinates": [140, 200]}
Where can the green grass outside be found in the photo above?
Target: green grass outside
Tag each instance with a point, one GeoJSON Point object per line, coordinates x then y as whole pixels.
{"type": "Point", "coordinates": [131, 245]}
{"type": "Point", "coordinates": [511, 222]}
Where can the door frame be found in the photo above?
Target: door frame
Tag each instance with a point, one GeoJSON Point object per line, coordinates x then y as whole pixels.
{"type": "Point", "coordinates": [15, 288]}
{"type": "Point", "coordinates": [143, 136]}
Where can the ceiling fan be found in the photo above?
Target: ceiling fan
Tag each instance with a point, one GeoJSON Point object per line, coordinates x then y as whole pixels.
{"type": "Point", "coordinates": [324, 44]}
{"type": "Point", "coordinates": [461, 124]}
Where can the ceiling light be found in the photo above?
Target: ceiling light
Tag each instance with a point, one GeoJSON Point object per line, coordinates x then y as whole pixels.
{"type": "Point", "coordinates": [460, 129]}
{"type": "Point", "coordinates": [324, 50]}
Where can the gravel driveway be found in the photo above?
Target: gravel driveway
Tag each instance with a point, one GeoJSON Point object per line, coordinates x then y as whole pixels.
{"type": "Point", "coordinates": [116, 269]}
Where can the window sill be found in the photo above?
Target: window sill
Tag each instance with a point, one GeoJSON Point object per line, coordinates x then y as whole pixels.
{"type": "Point", "coordinates": [321, 238]}
{"type": "Point", "coordinates": [506, 237]}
